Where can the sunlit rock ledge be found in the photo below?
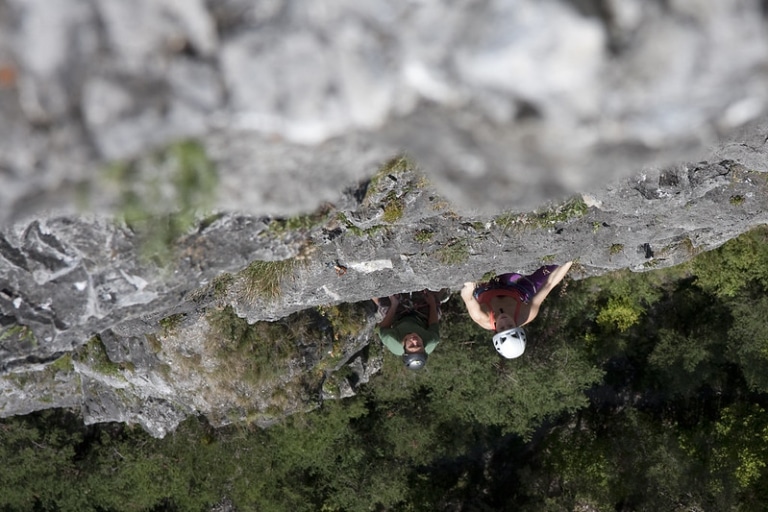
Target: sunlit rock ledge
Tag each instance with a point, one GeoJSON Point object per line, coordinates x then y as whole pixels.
{"type": "Point", "coordinates": [94, 320]}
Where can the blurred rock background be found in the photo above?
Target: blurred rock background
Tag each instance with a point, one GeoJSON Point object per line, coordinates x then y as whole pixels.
{"type": "Point", "coordinates": [503, 103]}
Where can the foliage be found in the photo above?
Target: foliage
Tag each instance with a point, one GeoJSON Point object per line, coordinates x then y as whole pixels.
{"type": "Point", "coordinates": [303, 222]}
{"type": "Point", "coordinates": [19, 334]}
{"type": "Point", "coordinates": [453, 252]}
{"type": "Point", "coordinates": [423, 236]}
{"type": "Point", "coordinates": [393, 208]}
{"type": "Point", "coordinates": [264, 279]}
{"type": "Point", "coordinates": [573, 208]}
{"type": "Point", "coordinates": [38, 469]}
{"type": "Point", "coordinates": [725, 271]}
{"type": "Point", "coordinates": [346, 319]}
{"type": "Point", "coordinates": [636, 392]}
{"type": "Point", "coordinates": [570, 209]}
{"type": "Point", "coordinates": [62, 364]}
{"type": "Point", "coordinates": [170, 323]}
{"type": "Point", "coordinates": [618, 314]}
{"type": "Point", "coordinates": [256, 352]}
{"type": "Point", "coordinates": [747, 337]}
{"type": "Point", "coordinates": [95, 355]}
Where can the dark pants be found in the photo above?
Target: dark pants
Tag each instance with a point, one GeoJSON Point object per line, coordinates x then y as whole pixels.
{"type": "Point", "coordinates": [526, 285]}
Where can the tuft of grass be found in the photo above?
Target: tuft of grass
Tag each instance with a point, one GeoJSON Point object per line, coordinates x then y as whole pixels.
{"type": "Point", "coordinates": [509, 220]}
{"type": "Point", "coordinates": [570, 209]}
{"type": "Point", "coordinates": [423, 235]}
{"type": "Point", "coordinates": [451, 215]}
{"type": "Point", "coordinates": [615, 249]}
{"type": "Point", "coordinates": [549, 258]}
{"type": "Point", "coordinates": [304, 222]}
{"type": "Point", "coordinates": [254, 353]}
{"type": "Point", "coordinates": [394, 168]}
{"type": "Point", "coordinates": [394, 207]}
{"type": "Point", "coordinates": [454, 252]}
{"type": "Point", "coordinates": [221, 284]}
{"type": "Point", "coordinates": [95, 355]}
{"type": "Point", "coordinates": [170, 323]}
{"type": "Point", "coordinates": [331, 384]}
{"type": "Point", "coordinates": [19, 333]}
{"type": "Point", "coordinates": [737, 200]}
{"type": "Point", "coordinates": [345, 322]}
{"type": "Point", "coordinates": [62, 364]}
{"type": "Point", "coordinates": [440, 205]}
{"type": "Point", "coordinates": [341, 217]}
{"type": "Point", "coordinates": [488, 276]}
{"type": "Point", "coordinates": [422, 182]}
{"type": "Point", "coordinates": [346, 319]}
{"type": "Point", "coordinates": [265, 279]}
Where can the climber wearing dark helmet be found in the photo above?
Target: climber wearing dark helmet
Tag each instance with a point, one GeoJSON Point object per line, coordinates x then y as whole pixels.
{"type": "Point", "coordinates": [410, 327]}
{"type": "Point", "coordinates": [508, 302]}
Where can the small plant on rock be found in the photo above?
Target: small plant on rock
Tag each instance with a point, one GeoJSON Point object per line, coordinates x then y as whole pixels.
{"type": "Point", "coordinates": [265, 278]}
{"type": "Point", "coordinates": [254, 353]}
{"type": "Point", "coordinates": [170, 323]}
{"type": "Point", "coordinates": [454, 252]}
{"type": "Point", "coordinates": [423, 235]}
{"type": "Point", "coordinates": [22, 333]}
{"type": "Point", "coordinates": [393, 208]}
{"type": "Point", "coordinates": [95, 355]}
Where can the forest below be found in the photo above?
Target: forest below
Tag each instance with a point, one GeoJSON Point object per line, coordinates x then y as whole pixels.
{"type": "Point", "coordinates": [638, 391]}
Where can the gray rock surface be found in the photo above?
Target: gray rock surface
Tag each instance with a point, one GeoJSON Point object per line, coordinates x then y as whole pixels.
{"type": "Point", "coordinates": [635, 130]}
{"type": "Point", "coordinates": [65, 281]}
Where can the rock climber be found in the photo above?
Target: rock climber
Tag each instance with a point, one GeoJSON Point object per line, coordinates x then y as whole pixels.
{"type": "Point", "coordinates": [508, 302]}
{"type": "Point", "coordinates": [410, 327]}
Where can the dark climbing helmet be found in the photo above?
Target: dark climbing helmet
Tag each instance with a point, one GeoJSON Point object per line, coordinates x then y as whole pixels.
{"type": "Point", "coordinates": [510, 343]}
{"type": "Point", "coordinates": [415, 360]}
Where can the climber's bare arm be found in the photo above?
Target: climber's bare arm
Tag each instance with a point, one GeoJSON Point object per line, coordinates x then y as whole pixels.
{"type": "Point", "coordinates": [552, 280]}
{"type": "Point", "coordinates": [475, 310]}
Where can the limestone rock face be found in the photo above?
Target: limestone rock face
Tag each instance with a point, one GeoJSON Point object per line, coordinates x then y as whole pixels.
{"type": "Point", "coordinates": [635, 129]}
{"type": "Point", "coordinates": [89, 323]}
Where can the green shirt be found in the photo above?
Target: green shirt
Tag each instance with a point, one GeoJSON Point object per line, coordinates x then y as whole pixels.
{"type": "Point", "coordinates": [392, 337]}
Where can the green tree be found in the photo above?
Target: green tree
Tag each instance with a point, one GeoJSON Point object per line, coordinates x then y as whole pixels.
{"type": "Point", "coordinates": [748, 341]}
{"type": "Point", "coordinates": [37, 451]}
{"type": "Point", "coordinates": [726, 270]}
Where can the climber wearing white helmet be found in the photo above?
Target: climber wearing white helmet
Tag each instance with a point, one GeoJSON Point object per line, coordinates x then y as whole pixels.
{"type": "Point", "coordinates": [508, 302]}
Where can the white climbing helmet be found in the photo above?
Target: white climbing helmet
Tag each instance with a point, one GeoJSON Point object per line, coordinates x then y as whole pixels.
{"type": "Point", "coordinates": [510, 343]}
